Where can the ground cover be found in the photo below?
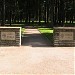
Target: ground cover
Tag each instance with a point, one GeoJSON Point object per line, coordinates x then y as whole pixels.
{"type": "Point", "coordinates": [22, 30]}
{"type": "Point", "coordinates": [47, 33]}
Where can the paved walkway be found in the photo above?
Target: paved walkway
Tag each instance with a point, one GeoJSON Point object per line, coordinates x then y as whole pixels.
{"type": "Point", "coordinates": [35, 57]}
{"type": "Point", "coordinates": [34, 38]}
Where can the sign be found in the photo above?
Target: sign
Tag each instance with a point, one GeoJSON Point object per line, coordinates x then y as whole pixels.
{"type": "Point", "coordinates": [7, 35]}
{"type": "Point", "coordinates": [66, 36]}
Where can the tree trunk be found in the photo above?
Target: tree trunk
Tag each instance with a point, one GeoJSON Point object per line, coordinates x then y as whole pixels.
{"type": "Point", "coordinates": [10, 16]}
{"type": "Point", "coordinates": [39, 11]}
{"type": "Point", "coordinates": [3, 13]}
{"type": "Point", "coordinates": [52, 13]}
{"type": "Point", "coordinates": [47, 11]}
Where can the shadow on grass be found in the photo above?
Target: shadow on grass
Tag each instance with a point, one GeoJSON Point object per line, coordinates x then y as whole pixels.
{"type": "Point", "coordinates": [46, 28]}
{"type": "Point", "coordinates": [49, 37]}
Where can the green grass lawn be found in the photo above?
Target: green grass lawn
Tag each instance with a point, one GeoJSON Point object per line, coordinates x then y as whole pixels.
{"type": "Point", "coordinates": [47, 32]}
{"type": "Point", "coordinates": [22, 31]}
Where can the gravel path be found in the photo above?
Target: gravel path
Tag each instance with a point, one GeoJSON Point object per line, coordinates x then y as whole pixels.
{"type": "Point", "coordinates": [35, 57]}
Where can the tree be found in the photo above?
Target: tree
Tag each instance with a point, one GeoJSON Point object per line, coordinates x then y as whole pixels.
{"type": "Point", "coordinates": [3, 13]}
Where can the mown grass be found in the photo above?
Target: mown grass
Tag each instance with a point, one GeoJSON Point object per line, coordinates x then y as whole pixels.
{"type": "Point", "coordinates": [22, 31]}
{"type": "Point", "coordinates": [48, 33]}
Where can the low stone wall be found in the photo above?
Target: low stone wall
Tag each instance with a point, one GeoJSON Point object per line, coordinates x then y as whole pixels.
{"type": "Point", "coordinates": [64, 36]}
{"type": "Point", "coordinates": [10, 36]}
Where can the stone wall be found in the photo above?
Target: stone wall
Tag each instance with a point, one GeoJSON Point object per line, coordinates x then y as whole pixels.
{"type": "Point", "coordinates": [64, 36]}
{"type": "Point", "coordinates": [10, 36]}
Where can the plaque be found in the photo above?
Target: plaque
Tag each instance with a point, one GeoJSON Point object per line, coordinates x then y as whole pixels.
{"type": "Point", "coordinates": [7, 35]}
{"type": "Point", "coordinates": [66, 36]}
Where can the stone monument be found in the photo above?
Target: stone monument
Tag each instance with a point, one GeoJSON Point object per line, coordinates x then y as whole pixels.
{"type": "Point", "coordinates": [10, 36]}
{"type": "Point", "coordinates": [64, 36]}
